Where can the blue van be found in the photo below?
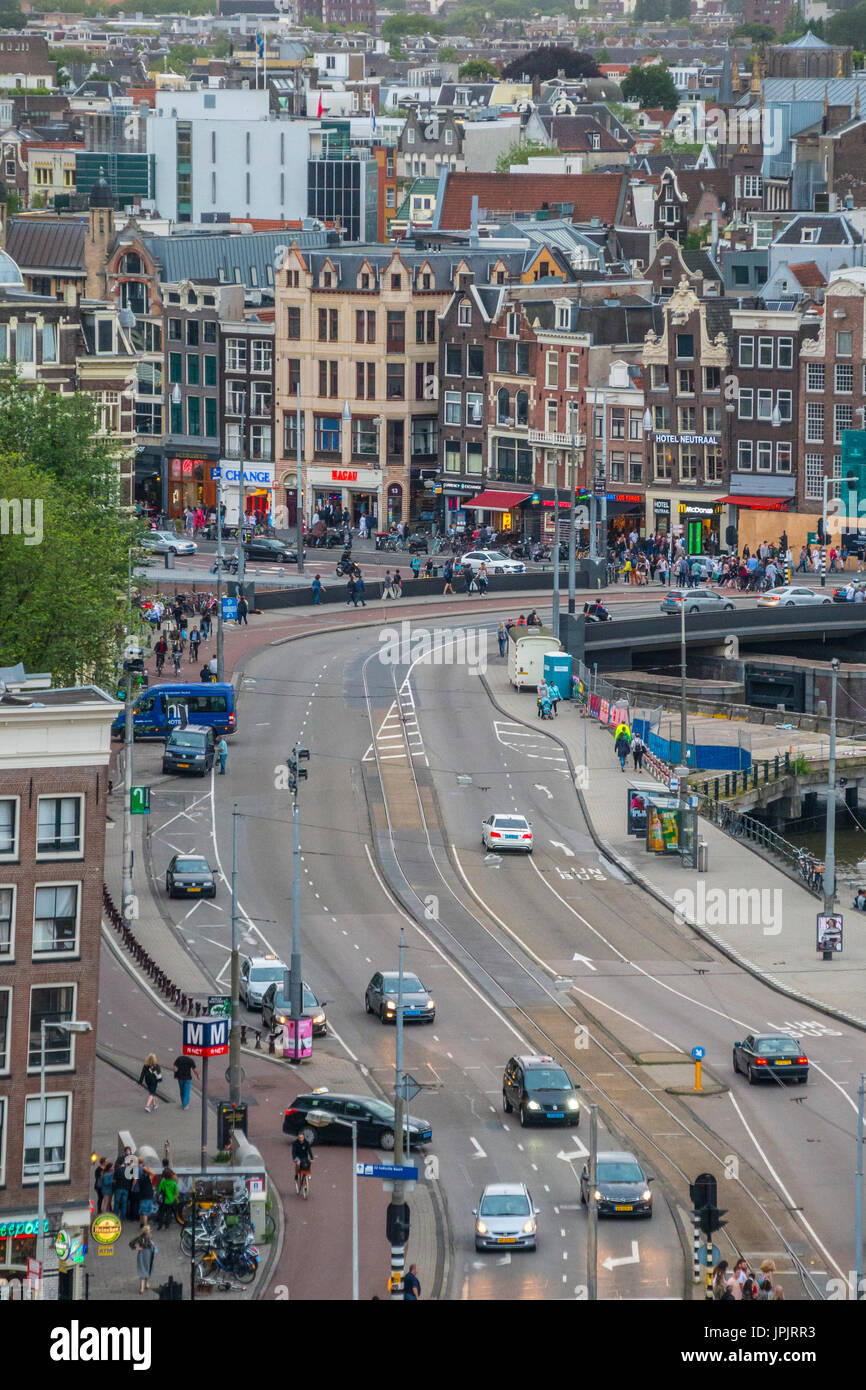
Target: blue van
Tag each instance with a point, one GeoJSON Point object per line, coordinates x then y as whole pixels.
{"type": "Point", "coordinates": [165, 707]}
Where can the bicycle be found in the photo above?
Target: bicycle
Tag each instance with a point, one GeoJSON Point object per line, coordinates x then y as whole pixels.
{"type": "Point", "coordinates": [241, 1264]}
{"type": "Point", "coordinates": [302, 1181]}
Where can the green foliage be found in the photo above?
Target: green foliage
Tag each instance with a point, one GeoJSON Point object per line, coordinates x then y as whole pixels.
{"type": "Point", "coordinates": [756, 33]}
{"type": "Point", "coordinates": [848, 27]}
{"type": "Point", "coordinates": [395, 51]}
{"type": "Point", "coordinates": [58, 598]}
{"type": "Point", "coordinates": [477, 70]}
{"type": "Point", "coordinates": [398, 25]}
{"type": "Point", "coordinates": [545, 63]}
{"type": "Point", "coordinates": [603, 56]}
{"type": "Point", "coordinates": [522, 153]}
{"type": "Point", "coordinates": [447, 53]}
{"type": "Point", "coordinates": [652, 86]}
{"type": "Point", "coordinates": [182, 57]}
{"type": "Point", "coordinates": [13, 203]}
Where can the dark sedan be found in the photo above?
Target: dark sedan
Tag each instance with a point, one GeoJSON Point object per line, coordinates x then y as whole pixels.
{"type": "Point", "coordinates": [775, 1055]}
{"type": "Point", "coordinates": [191, 876]}
{"type": "Point", "coordinates": [380, 998]}
{"type": "Point", "coordinates": [275, 1009]}
{"type": "Point", "coordinates": [621, 1186]}
{"type": "Point", "coordinates": [316, 1116]}
{"type": "Point", "coordinates": [268, 548]}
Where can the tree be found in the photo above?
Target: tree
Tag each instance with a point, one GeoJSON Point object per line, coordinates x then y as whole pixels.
{"type": "Point", "coordinates": [447, 53]}
{"type": "Point", "coordinates": [679, 9]}
{"type": "Point", "coordinates": [603, 55]}
{"type": "Point", "coordinates": [183, 57]}
{"type": "Point", "coordinates": [652, 86]}
{"type": "Point", "coordinates": [848, 27]}
{"type": "Point", "coordinates": [397, 25]}
{"type": "Point", "coordinates": [522, 153]}
{"type": "Point", "coordinates": [757, 33]}
{"type": "Point", "coordinates": [650, 11]}
{"type": "Point", "coordinates": [546, 63]}
{"type": "Point", "coordinates": [477, 70]}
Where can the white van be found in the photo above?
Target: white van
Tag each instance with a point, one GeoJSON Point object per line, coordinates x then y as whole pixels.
{"type": "Point", "coordinates": [527, 648]}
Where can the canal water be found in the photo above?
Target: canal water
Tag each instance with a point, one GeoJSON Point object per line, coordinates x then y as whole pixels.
{"type": "Point", "coordinates": [850, 844]}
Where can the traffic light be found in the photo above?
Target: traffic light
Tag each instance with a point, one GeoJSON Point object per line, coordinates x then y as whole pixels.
{"type": "Point", "coordinates": [296, 772]}
{"type": "Point", "coordinates": [703, 1191]}
{"type": "Point", "coordinates": [711, 1219]}
{"type": "Point", "coordinates": [397, 1223]}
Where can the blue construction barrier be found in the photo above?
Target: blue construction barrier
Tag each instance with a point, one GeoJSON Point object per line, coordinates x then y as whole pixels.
{"type": "Point", "coordinates": [715, 757]}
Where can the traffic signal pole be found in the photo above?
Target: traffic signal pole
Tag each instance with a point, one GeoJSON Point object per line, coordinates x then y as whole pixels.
{"type": "Point", "coordinates": [397, 1228]}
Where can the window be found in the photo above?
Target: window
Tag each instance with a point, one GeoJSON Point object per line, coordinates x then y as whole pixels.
{"type": "Point", "coordinates": [573, 371]}
{"type": "Point", "coordinates": [9, 828]}
{"type": "Point", "coordinates": [261, 399]}
{"type": "Point", "coordinates": [474, 458]}
{"type": "Point", "coordinates": [464, 313]}
{"type": "Point", "coordinates": [765, 405]}
{"type": "Point", "coordinates": [563, 316]}
{"type": "Point", "coordinates": [659, 378]}
{"type": "Point", "coordinates": [193, 369]}
{"type": "Point", "coordinates": [814, 476]}
{"type": "Point", "coordinates": [512, 325]}
{"type": "Point", "coordinates": [193, 416]}
{"type": "Point", "coordinates": [59, 826]}
{"type": "Point", "coordinates": [688, 467]}
{"type": "Point", "coordinates": [663, 463]}
{"type": "Point", "coordinates": [475, 361]}
{"type": "Point", "coordinates": [365, 439]}
{"type": "Point", "coordinates": [685, 345]}
{"type": "Point", "coordinates": [475, 407]}
{"type": "Point", "coordinates": [395, 331]}
{"type": "Point", "coordinates": [765, 352]}
{"type": "Point", "coordinates": [24, 341]}
{"type": "Point", "coordinates": [192, 332]}
{"type": "Point", "coordinates": [617, 467]}
{"type": "Point", "coordinates": [261, 446]}
{"type": "Point", "coordinates": [844, 378]}
{"type": "Point", "coordinates": [752, 186]}
{"type": "Point", "coordinates": [617, 422]}
{"type": "Point", "coordinates": [713, 465]}
{"type": "Point", "coordinates": [503, 357]}
{"type": "Point", "coordinates": [395, 381]}
{"type": "Point", "coordinates": [430, 322]}
{"type": "Point", "coordinates": [327, 434]}
{"type": "Point", "coordinates": [453, 360]}
{"type": "Point", "coordinates": [635, 424]}
{"type": "Point", "coordinates": [55, 919]}
{"type": "Point", "coordinates": [396, 282]}
{"type": "Point", "coordinates": [814, 422]}
{"type": "Point", "coordinates": [293, 322]}
{"type": "Point", "coordinates": [662, 417]}
{"type": "Point", "coordinates": [814, 376]}
{"type": "Point", "coordinates": [784, 353]}
{"type": "Point", "coordinates": [842, 420]}
{"type": "Point", "coordinates": [844, 343]}
{"type": "Point", "coordinates": [503, 406]}
{"type": "Point", "coordinates": [394, 440]}
{"type": "Point", "coordinates": [322, 319]}
{"type": "Point", "coordinates": [784, 401]}
{"type": "Point", "coordinates": [552, 417]}
{"type": "Point", "coordinates": [210, 370]}
{"type": "Point", "coordinates": [360, 325]}
{"type": "Point", "coordinates": [57, 1004]}
{"type": "Point", "coordinates": [712, 378]}
{"type": "Point", "coordinates": [424, 438]}
{"type": "Point", "coordinates": [552, 369]}
{"type": "Point", "coordinates": [452, 456]}
{"type": "Point", "coordinates": [55, 1157]}
{"type": "Point", "coordinates": [688, 419]}
{"type": "Point", "coordinates": [210, 417]}
{"type": "Point", "coordinates": [521, 408]}
{"type": "Point", "coordinates": [808, 235]}
{"type": "Point", "coordinates": [635, 468]}
{"type": "Point", "coordinates": [745, 403]}
{"type": "Point", "coordinates": [236, 354]}
{"type": "Point", "coordinates": [328, 378]}
{"type": "Point", "coordinates": [747, 352]}
{"type": "Point", "coordinates": [744, 455]}
{"type": "Point", "coordinates": [686, 381]}
{"type": "Point", "coordinates": [784, 454]}
{"type": "Point", "coordinates": [263, 355]}
{"type": "Point", "coordinates": [712, 419]}
{"type": "Point", "coordinates": [290, 434]}
{"type": "Point", "coordinates": [453, 404]}
{"type": "Point", "coordinates": [5, 996]}
{"type": "Point", "coordinates": [764, 455]}
{"type": "Point", "coordinates": [333, 325]}
{"type": "Point", "coordinates": [513, 462]}
{"type": "Point", "coordinates": [522, 364]}
{"type": "Point", "coordinates": [7, 927]}
{"type": "Point", "coordinates": [410, 136]}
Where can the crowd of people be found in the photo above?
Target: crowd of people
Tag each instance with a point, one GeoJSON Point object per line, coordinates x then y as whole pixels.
{"type": "Point", "coordinates": [740, 1282]}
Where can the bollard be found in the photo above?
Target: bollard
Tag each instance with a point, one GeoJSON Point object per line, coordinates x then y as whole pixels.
{"type": "Point", "coordinates": [258, 1040]}
{"type": "Point", "coordinates": [243, 1035]}
{"type": "Point", "coordinates": [271, 1047]}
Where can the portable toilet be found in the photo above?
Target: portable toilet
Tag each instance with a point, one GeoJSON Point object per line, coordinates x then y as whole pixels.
{"type": "Point", "coordinates": [557, 668]}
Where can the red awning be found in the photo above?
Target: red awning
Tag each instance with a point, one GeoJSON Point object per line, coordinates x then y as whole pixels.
{"type": "Point", "coordinates": [497, 501]}
{"type": "Point", "coordinates": [759, 504]}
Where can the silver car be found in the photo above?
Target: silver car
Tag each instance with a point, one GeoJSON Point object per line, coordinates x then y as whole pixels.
{"type": "Point", "coordinates": [792, 595]}
{"type": "Point", "coordinates": [506, 1216]}
{"type": "Point", "coordinates": [696, 601]}
{"type": "Point", "coordinates": [166, 542]}
{"type": "Point", "coordinates": [506, 832]}
{"type": "Point", "coordinates": [257, 972]}
{"type": "Point", "coordinates": [496, 562]}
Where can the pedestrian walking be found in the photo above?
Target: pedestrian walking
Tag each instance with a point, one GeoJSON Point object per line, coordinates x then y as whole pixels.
{"type": "Point", "coordinates": [107, 1186]}
{"type": "Point", "coordinates": [206, 624]}
{"type": "Point", "coordinates": [317, 588]}
{"type": "Point", "coordinates": [412, 1285]}
{"type": "Point", "coordinates": [554, 696]}
{"type": "Point", "coordinates": [184, 1071]}
{"type": "Point", "coordinates": [243, 610]}
{"type": "Point", "coordinates": [194, 643]}
{"type": "Point", "coordinates": [502, 639]}
{"type": "Point", "coordinates": [351, 591]}
{"type": "Point", "coordinates": [222, 752]}
{"type": "Point", "coordinates": [143, 1194]}
{"type": "Point", "coordinates": [166, 1199]}
{"type": "Point", "coordinates": [414, 565]}
{"type": "Point", "coordinates": [388, 586]}
{"type": "Point", "coordinates": [98, 1172]}
{"type": "Point", "coordinates": [638, 748]}
{"type": "Point", "coordinates": [145, 1254]}
{"type": "Point", "coordinates": [360, 588]}
{"type": "Point", "coordinates": [124, 1168]}
{"type": "Point", "coordinates": [213, 667]}
{"type": "Point", "coordinates": [150, 1079]}
{"type": "Point", "coordinates": [449, 575]}
{"type": "Point", "coordinates": [483, 579]}
{"type": "Point", "coordinates": [621, 748]}
{"type": "Point", "coordinates": [397, 584]}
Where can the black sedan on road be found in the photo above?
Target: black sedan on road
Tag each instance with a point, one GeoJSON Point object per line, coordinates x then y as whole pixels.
{"type": "Point", "coordinates": [316, 1117]}
{"type": "Point", "coordinates": [621, 1186]}
{"type": "Point", "coordinates": [191, 876]}
{"type": "Point", "coordinates": [269, 548]}
{"type": "Point", "coordinates": [776, 1055]}
{"type": "Point", "coordinates": [380, 998]}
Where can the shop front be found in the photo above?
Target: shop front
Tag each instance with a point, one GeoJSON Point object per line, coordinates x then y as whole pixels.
{"type": "Point", "coordinates": [258, 490]}
{"type": "Point", "coordinates": [499, 509]}
{"type": "Point", "coordinates": [65, 1248]}
{"type": "Point", "coordinates": [358, 491]}
{"type": "Point", "coordinates": [454, 499]}
{"type": "Point", "coordinates": [700, 525]}
{"type": "Point", "coordinates": [758, 509]}
{"type": "Point", "coordinates": [191, 484]}
{"type": "Point", "coordinates": [660, 516]}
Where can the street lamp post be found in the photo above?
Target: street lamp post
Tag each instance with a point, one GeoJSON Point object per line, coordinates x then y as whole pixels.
{"type": "Point", "coordinates": [555, 612]}
{"type": "Point", "coordinates": [299, 482]}
{"type": "Point", "coordinates": [347, 421]}
{"type": "Point", "coordinates": [353, 1125]}
{"type": "Point", "coordinates": [235, 1032]}
{"type": "Point", "coordinates": [295, 990]}
{"type": "Point", "coordinates": [571, 515]}
{"type": "Point", "coordinates": [65, 1026]}
{"type": "Point", "coordinates": [830, 833]}
{"type": "Point", "coordinates": [242, 501]}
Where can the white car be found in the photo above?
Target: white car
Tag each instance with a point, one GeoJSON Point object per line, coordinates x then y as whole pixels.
{"type": "Point", "coordinates": [506, 832]}
{"type": "Point", "coordinates": [791, 595]}
{"type": "Point", "coordinates": [165, 542]}
{"type": "Point", "coordinates": [496, 562]}
{"type": "Point", "coordinates": [257, 972]}
{"type": "Point", "coordinates": [506, 1216]}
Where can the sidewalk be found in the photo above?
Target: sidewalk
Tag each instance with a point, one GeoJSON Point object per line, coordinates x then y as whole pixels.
{"type": "Point", "coordinates": [771, 933]}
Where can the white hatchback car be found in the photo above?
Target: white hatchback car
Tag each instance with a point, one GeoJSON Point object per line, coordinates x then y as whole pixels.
{"type": "Point", "coordinates": [506, 1216]}
{"type": "Point", "coordinates": [166, 542]}
{"type": "Point", "coordinates": [506, 832]}
{"type": "Point", "coordinates": [496, 562]}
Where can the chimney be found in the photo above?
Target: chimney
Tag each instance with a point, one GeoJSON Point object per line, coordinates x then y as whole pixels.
{"type": "Point", "coordinates": [714, 235]}
{"type": "Point", "coordinates": [473, 226]}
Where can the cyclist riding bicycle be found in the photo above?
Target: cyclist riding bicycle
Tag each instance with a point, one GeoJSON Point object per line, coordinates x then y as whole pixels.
{"type": "Point", "coordinates": [303, 1156]}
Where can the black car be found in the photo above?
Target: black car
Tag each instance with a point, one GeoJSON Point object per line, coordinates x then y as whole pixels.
{"type": "Point", "coordinates": [275, 1009]}
{"type": "Point", "coordinates": [268, 548]}
{"type": "Point", "coordinates": [192, 749]}
{"type": "Point", "coordinates": [380, 997]}
{"type": "Point", "coordinates": [307, 1115]}
{"type": "Point", "coordinates": [840, 595]}
{"type": "Point", "coordinates": [621, 1186]}
{"type": "Point", "coordinates": [190, 875]}
{"type": "Point", "coordinates": [776, 1055]}
{"type": "Point", "coordinates": [540, 1091]}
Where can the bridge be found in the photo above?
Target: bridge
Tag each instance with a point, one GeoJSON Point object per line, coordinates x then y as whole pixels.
{"type": "Point", "coordinates": [818, 631]}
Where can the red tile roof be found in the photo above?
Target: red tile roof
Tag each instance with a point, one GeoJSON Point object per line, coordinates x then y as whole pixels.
{"type": "Point", "coordinates": [593, 195]}
{"type": "Point", "coordinates": [808, 275]}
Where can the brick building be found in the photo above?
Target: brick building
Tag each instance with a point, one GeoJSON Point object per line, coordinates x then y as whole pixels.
{"type": "Point", "coordinates": [833, 386]}
{"type": "Point", "coordinates": [54, 756]}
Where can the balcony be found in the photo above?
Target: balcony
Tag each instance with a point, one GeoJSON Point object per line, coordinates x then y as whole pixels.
{"type": "Point", "coordinates": [555, 439]}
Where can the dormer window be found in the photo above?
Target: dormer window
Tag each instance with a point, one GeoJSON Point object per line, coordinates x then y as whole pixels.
{"type": "Point", "coordinates": [464, 313]}
{"type": "Point", "coordinates": [512, 325]}
{"type": "Point", "coordinates": [449, 137]}
{"type": "Point", "coordinates": [410, 136]}
{"type": "Point", "coordinates": [327, 279]}
{"type": "Point", "coordinates": [808, 234]}
{"type": "Point", "coordinates": [563, 316]}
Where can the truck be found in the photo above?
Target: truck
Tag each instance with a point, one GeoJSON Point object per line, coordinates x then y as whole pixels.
{"type": "Point", "coordinates": [526, 652]}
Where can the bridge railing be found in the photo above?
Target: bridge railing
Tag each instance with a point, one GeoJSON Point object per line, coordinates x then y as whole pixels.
{"type": "Point", "coordinates": [741, 826]}
{"type": "Point", "coordinates": [729, 784]}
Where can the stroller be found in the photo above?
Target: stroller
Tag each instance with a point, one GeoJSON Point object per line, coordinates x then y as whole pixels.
{"type": "Point", "coordinates": [545, 707]}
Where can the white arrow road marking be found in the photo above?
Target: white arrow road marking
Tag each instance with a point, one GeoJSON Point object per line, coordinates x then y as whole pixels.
{"type": "Point", "coordinates": [504, 1260]}
{"type": "Point", "coordinates": [631, 1259]}
{"type": "Point", "coordinates": [586, 961]}
{"type": "Point", "coordinates": [557, 844]}
{"type": "Point", "coordinates": [479, 1152]}
{"type": "Point", "coordinates": [540, 788]}
{"type": "Point", "coordinates": [580, 1152]}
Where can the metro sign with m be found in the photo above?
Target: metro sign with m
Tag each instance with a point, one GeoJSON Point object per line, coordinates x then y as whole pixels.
{"type": "Point", "coordinates": [205, 1037]}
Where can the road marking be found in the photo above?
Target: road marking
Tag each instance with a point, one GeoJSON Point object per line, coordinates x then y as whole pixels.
{"type": "Point", "coordinates": [540, 788]}
{"type": "Point", "coordinates": [586, 961]}
{"type": "Point", "coordinates": [557, 844]}
{"type": "Point", "coordinates": [479, 1152]}
{"type": "Point", "coordinates": [632, 1259]}
{"type": "Point", "coordinates": [504, 1260]}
